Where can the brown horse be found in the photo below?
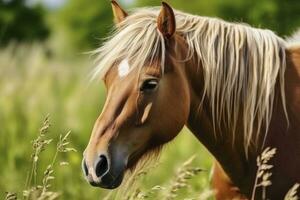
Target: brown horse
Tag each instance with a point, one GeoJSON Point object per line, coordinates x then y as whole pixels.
{"type": "Point", "coordinates": [235, 87]}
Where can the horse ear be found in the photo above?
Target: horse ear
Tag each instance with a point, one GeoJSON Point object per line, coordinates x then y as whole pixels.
{"type": "Point", "coordinates": [166, 23]}
{"type": "Point", "coordinates": [119, 13]}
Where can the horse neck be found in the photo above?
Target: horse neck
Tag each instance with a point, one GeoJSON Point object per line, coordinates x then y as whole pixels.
{"type": "Point", "coordinates": [230, 155]}
{"type": "Point", "coordinates": [228, 149]}
{"type": "Point", "coordinates": [292, 83]}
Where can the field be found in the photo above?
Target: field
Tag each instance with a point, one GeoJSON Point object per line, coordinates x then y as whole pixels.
{"type": "Point", "coordinates": [35, 83]}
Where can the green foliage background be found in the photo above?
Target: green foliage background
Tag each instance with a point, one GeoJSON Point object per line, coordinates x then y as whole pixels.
{"type": "Point", "coordinates": [43, 70]}
{"type": "Point", "coordinates": [21, 23]}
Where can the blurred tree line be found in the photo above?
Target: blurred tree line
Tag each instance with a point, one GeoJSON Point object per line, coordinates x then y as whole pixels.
{"type": "Point", "coordinates": [21, 23]}
{"type": "Point", "coordinates": [78, 25]}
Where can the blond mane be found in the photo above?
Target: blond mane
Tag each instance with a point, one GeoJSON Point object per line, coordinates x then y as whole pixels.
{"type": "Point", "coordinates": [240, 63]}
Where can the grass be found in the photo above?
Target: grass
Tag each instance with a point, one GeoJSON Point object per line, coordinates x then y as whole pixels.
{"type": "Point", "coordinates": [34, 83]}
{"type": "Point", "coordinates": [33, 189]}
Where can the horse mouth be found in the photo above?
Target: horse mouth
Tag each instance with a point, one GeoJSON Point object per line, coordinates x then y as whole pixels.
{"type": "Point", "coordinates": [109, 181]}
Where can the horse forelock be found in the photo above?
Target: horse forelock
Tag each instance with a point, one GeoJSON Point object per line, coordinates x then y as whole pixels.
{"type": "Point", "coordinates": [240, 63]}
{"type": "Point", "coordinates": [135, 39]}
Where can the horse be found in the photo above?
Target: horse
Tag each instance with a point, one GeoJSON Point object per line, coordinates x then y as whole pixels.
{"type": "Point", "coordinates": [237, 89]}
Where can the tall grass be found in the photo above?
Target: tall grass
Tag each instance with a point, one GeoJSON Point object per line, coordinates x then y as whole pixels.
{"type": "Point", "coordinates": [34, 83]}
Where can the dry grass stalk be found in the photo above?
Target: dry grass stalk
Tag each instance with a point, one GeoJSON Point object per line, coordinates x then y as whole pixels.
{"type": "Point", "coordinates": [39, 145]}
{"type": "Point", "coordinates": [131, 190]}
{"type": "Point", "coordinates": [292, 193]}
{"type": "Point", "coordinates": [185, 173]}
{"type": "Point", "coordinates": [11, 196]}
{"type": "Point", "coordinates": [263, 173]}
{"type": "Point", "coordinates": [42, 191]}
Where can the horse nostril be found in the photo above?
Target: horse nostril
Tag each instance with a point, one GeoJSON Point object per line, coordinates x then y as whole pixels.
{"type": "Point", "coordinates": [102, 166]}
{"type": "Point", "coordinates": [84, 167]}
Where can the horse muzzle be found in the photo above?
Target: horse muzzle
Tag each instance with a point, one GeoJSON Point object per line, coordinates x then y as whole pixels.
{"type": "Point", "coordinates": [106, 171]}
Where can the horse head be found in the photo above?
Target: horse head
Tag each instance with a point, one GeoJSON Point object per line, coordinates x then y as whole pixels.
{"type": "Point", "coordinates": [146, 106]}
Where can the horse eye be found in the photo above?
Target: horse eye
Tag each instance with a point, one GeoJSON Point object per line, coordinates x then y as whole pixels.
{"type": "Point", "coordinates": [149, 85]}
